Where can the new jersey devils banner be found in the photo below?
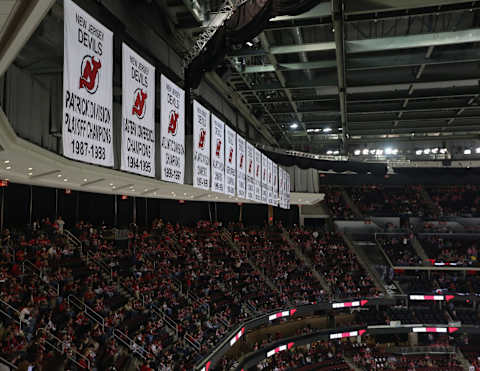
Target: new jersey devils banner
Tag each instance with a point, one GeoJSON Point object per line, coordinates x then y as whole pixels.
{"type": "Point", "coordinates": [87, 88]}
{"type": "Point", "coordinates": [172, 130]}
{"type": "Point", "coordinates": [287, 193]}
{"type": "Point", "coordinates": [241, 160]}
{"type": "Point", "coordinates": [275, 184]}
{"type": "Point", "coordinates": [138, 114]}
{"type": "Point", "coordinates": [230, 161]}
{"type": "Point", "coordinates": [201, 146]}
{"type": "Point", "coordinates": [250, 172]}
{"type": "Point", "coordinates": [264, 179]}
{"type": "Point", "coordinates": [281, 184]}
{"type": "Point", "coordinates": [258, 175]}
{"type": "Point", "coordinates": [270, 182]}
{"type": "Point", "coordinates": [218, 155]}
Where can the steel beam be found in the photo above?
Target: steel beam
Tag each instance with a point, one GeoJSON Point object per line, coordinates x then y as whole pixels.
{"type": "Point", "coordinates": [321, 10]}
{"type": "Point", "coordinates": [414, 41]}
{"type": "Point", "coordinates": [285, 49]}
{"type": "Point", "coordinates": [374, 6]}
{"type": "Point", "coordinates": [361, 63]}
{"type": "Point", "coordinates": [412, 121]}
{"type": "Point", "coordinates": [337, 18]}
{"type": "Point", "coordinates": [373, 45]}
{"type": "Point", "coordinates": [282, 80]}
{"type": "Point", "coordinates": [428, 108]}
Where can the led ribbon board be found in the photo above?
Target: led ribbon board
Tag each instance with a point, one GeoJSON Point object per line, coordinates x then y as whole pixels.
{"type": "Point", "coordinates": [285, 313]}
{"type": "Point", "coordinates": [341, 335]}
{"type": "Point", "coordinates": [279, 349]}
{"type": "Point", "coordinates": [237, 336]}
{"type": "Point", "coordinates": [432, 297]}
{"type": "Point", "coordinates": [349, 304]}
{"type": "Point", "coordinates": [438, 330]}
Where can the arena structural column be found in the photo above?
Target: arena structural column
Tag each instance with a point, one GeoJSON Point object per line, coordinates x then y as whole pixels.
{"type": "Point", "coordinates": [270, 214]}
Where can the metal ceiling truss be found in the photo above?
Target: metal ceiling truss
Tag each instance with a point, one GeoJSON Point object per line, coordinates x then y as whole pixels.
{"type": "Point", "coordinates": [382, 67]}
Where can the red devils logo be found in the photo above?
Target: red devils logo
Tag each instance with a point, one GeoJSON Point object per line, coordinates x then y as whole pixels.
{"type": "Point", "coordinates": [201, 141]}
{"type": "Point", "coordinates": [250, 167]}
{"type": "Point", "coordinates": [230, 156]}
{"type": "Point", "coordinates": [89, 77]}
{"type": "Point", "coordinates": [270, 178]}
{"type": "Point", "coordinates": [258, 171]}
{"type": "Point", "coordinates": [241, 162]}
{"type": "Point", "coordinates": [172, 127]}
{"type": "Point", "coordinates": [139, 105]}
{"type": "Point", "coordinates": [219, 147]}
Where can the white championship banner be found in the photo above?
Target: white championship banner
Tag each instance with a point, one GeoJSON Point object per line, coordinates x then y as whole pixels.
{"type": "Point", "coordinates": [172, 132]}
{"type": "Point", "coordinates": [138, 114]}
{"type": "Point", "coordinates": [201, 146]}
{"type": "Point", "coordinates": [275, 184]}
{"type": "Point", "coordinates": [264, 179]}
{"type": "Point", "coordinates": [270, 182]}
{"type": "Point", "coordinates": [87, 129]}
{"type": "Point", "coordinates": [258, 175]}
{"type": "Point", "coordinates": [218, 155]}
{"type": "Point", "coordinates": [287, 192]}
{"type": "Point", "coordinates": [241, 161]}
{"type": "Point", "coordinates": [250, 172]}
{"type": "Point", "coordinates": [230, 161]}
{"type": "Point", "coordinates": [281, 189]}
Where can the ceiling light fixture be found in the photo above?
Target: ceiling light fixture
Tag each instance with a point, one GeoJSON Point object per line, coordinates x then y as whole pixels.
{"type": "Point", "coordinates": [294, 126]}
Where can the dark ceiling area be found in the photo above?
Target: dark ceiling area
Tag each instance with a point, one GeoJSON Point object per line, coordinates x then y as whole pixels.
{"type": "Point", "coordinates": [348, 78]}
{"type": "Point", "coordinates": [348, 73]}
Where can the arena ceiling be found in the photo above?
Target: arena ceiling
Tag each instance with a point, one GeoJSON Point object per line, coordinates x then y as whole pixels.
{"type": "Point", "coordinates": [353, 72]}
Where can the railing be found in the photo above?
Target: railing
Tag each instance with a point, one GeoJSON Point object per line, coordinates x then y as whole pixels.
{"type": "Point", "coordinates": [130, 344]}
{"type": "Point", "coordinates": [166, 319]}
{"type": "Point", "coordinates": [194, 344]}
{"type": "Point", "coordinates": [106, 269]}
{"type": "Point", "coordinates": [60, 346]}
{"type": "Point", "coordinates": [53, 289]}
{"type": "Point", "coordinates": [435, 349]}
{"type": "Point", "coordinates": [195, 299]}
{"type": "Point", "coordinates": [6, 308]}
{"type": "Point", "coordinates": [224, 321]}
{"type": "Point", "coordinates": [73, 239]}
{"type": "Point", "coordinates": [8, 364]}
{"type": "Point", "coordinates": [89, 312]}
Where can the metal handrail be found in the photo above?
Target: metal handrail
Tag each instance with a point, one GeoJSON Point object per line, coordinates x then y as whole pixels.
{"type": "Point", "coordinates": [90, 312]}
{"type": "Point", "coordinates": [38, 272]}
{"type": "Point", "coordinates": [15, 310]}
{"type": "Point", "coordinates": [130, 344]}
{"type": "Point", "coordinates": [7, 363]}
{"type": "Point", "coordinates": [169, 321]}
{"type": "Point", "coordinates": [63, 350]}
{"type": "Point", "coordinates": [72, 238]}
{"type": "Point", "coordinates": [108, 270]}
{"type": "Point", "coordinates": [190, 340]}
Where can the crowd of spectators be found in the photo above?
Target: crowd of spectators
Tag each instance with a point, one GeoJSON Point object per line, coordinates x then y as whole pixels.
{"type": "Point", "coordinates": [456, 200]}
{"type": "Point", "coordinates": [399, 249]}
{"type": "Point", "coordinates": [337, 206]}
{"type": "Point", "coordinates": [340, 267]}
{"type": "Point", "coordinates": [451, 250]}
{"type": "Point", "coordinates": [368, 357]}
{"type": "Point", "coordinates": [168, 293]}
{"type": "Point", "coordinates": [377, 200]}
{"type": "Point", "coordinates": [275, 257]}
{"type": "Point", "coordinates": [321, 355]}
